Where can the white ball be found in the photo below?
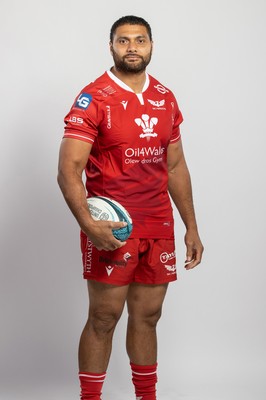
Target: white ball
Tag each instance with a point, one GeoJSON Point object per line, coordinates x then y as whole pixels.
{"type": "Point", "coordinates": [103, 208]}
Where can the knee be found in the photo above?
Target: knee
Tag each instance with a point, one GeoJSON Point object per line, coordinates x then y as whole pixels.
{"type": "Point", "coordinates": [149, 318]}
{"type": "Point", "coordinates": [103, 323]}
{"type": "Point", "coordinates": [152, 318]}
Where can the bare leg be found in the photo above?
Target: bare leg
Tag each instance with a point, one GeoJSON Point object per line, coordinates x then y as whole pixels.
{"type": "Point", "coordinates": [106, 303]}
{"type": "Point", "coordinates": [144, 310]}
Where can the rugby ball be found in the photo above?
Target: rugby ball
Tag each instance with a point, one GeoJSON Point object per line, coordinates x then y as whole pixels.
{"type": "Point", "coordinates": [105, 209]}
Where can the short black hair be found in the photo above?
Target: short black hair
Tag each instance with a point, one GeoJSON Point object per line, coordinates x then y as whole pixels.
{"type": "Point", "coordinates": [130, 20]}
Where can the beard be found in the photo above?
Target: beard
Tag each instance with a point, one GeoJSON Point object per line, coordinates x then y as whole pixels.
{"type": "Point", "coordinates": [123, 64]}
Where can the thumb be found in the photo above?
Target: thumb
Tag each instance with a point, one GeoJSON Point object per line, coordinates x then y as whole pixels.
{"type": "Point", "coordinates": [190, 253]}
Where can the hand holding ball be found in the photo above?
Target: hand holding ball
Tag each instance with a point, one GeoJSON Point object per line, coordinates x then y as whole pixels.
{"type": "Point", "coordinates": [105, 209]}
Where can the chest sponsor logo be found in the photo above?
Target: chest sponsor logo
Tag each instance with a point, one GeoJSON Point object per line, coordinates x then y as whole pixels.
{"type": "Point", "coordinates": [158, 105]}
{"type": "Point", "coordinates": [147, 123]}
{"type": "Point", "coordinates": [83, 101]}
{"type": "Point", "coordinates": [144, 155]}
{"type": "Point", "coordinates": [161, 89]}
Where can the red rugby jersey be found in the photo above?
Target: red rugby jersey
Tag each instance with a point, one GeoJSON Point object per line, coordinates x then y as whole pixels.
{"type": "Point", "coordinates": [130, 134]}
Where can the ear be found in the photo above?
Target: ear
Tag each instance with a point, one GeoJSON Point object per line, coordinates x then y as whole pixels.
{"type": "Point", "coordinates": [111, 47]}
{"type": "Point", "coordinates": [151, 47]}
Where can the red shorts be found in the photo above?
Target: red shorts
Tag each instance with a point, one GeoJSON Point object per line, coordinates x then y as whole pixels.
{"type": "Point", "coordinates": [148, 261]}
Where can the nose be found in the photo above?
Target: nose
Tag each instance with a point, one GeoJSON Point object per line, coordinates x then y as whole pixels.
{"type": "Point", "coordinates": [131, 48]}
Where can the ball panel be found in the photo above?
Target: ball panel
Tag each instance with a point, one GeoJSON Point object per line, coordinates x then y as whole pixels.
{"type": "Point", "coordinates": [122, 233]}
{"type": "Point", "coordinates": [120, 210]}
{"type": "Point", "coordinates": [103, 208]}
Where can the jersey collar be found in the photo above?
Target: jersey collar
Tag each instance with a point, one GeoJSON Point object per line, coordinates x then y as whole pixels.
{"type": "Point", "coordinates": [126, 87]}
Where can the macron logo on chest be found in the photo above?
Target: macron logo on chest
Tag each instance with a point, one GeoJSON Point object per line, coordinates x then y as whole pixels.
{"type": "Point", "coordinates": [124, 104]}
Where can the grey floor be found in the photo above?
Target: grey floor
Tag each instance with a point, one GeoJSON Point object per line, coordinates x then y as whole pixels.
{"type": "Point", "coordinates": [244, 391]}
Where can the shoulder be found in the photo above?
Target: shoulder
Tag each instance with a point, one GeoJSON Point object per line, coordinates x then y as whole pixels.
{"type": "Point", "coordinates": [97, 85]}
{"type": "Point", "coordinates": [158, 87]}
{"type": "Point", "coordinates": [95, 92]}
{"type": "Point", "coordinates": [101, 90]}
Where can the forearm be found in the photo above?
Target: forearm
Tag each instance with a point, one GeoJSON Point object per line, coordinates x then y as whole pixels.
{"type": "Point", "coordinates": [179, 186]}
{"type": "Point", "coordinates": [73, 190]}
{"type": "Point", "coordinates": [73, 157]}
{"type": "Point", "coordinates": [180, 189]}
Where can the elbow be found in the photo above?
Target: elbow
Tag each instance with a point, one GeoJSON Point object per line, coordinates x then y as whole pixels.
{"type": "Point", "coordinates": [59, 180]}
{"type": "Point", "coordinates": [171, 172]}
{"type": "Point", "coordinates": [63, 183]}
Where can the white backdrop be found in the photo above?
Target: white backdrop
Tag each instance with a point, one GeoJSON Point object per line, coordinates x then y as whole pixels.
{"type": "Point", "coordinates": [211, 53]}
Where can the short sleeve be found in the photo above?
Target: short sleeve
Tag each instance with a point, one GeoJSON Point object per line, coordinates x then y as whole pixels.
{"type": "Point", "coordinates": [81, 121]}
{"type": "Point", "coordinates": [177, 118]}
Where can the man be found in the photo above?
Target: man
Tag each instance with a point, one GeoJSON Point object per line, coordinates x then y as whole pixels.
{"type": "Point", "coordinates": [123, 130]}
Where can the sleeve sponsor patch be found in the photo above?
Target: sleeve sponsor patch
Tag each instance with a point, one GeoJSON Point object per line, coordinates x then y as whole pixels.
{"type": "Point", "coordinates": [83, 101]}
{"type": "Point", "coordinates": [75, 120]}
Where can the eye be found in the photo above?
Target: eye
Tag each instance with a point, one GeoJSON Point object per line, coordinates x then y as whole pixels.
{"type": "Point", "coordinates": [122, 41]}
{"type": "Point", "coordinates": [141, 41]}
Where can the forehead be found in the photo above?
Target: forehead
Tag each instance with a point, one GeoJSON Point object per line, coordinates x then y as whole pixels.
{"type": "Point", "coordinates": [128, 30]}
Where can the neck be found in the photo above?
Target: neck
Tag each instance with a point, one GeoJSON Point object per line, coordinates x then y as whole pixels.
{"type": "Point", "coordinates": [135, 81]}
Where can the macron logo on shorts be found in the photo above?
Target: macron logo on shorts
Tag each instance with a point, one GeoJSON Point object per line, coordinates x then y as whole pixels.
{"type": "Point", "coordinates": [109, 270]}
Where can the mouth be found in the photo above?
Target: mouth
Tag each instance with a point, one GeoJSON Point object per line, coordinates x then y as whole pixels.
{"type": "Point", "coordinates": [132, 57]}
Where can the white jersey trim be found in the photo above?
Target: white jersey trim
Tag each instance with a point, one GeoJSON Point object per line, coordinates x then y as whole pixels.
{"type": "Point", "coordinates": [78, 136]}
{"type": "Point", "coordinates": [126, 87]}
{"type": "Point", "coordinates": [175, 139]}
{"type": "Point", "coordinates": [140, 97]}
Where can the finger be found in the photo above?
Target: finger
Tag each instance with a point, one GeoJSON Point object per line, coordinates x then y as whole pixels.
{"type": "Point", "coordinates": [118, 225]}
{"type": "Point", "coordinates": [122, 244]}
{"type": "Point", "coordinates": [112, 246]}
{"type": "Point", "coordinates": [117, 244]}
{"type": "Point", "coordinates": [196, 259]}
{"type": "Point", "coordinates": [190, 254]}
{"type": "Point", "coordinates": [192, 264]}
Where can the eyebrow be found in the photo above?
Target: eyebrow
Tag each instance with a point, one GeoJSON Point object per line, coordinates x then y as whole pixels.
{"type": "Point", "coordinates": [137, 37]}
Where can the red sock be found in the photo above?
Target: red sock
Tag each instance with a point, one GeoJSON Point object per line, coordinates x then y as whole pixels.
{"type": "Point", "coordinates": [144, 378]}
{"type": "Point", "coordinates": [91, 385]}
